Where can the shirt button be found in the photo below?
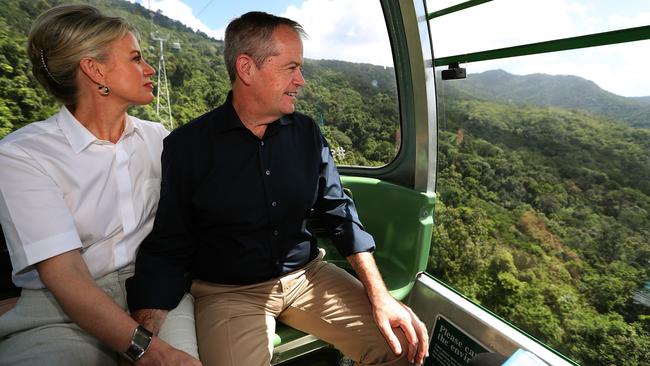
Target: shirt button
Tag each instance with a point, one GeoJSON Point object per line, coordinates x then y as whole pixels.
{"type": "Point", "coordinates": [275, 233]}
{"type": "Point", "coordinates": [262, 143]}
{"type": "Point", "coordinates": [268, 172]}
{"type": "Point", "coordinates": [274, 203]}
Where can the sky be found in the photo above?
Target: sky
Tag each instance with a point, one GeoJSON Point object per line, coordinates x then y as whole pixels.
{"type": "Point", "coordinates": [348, 30]}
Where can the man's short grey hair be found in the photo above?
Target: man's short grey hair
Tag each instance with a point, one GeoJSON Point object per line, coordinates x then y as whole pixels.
{"type": "Point", "coordinates": [252, 34]}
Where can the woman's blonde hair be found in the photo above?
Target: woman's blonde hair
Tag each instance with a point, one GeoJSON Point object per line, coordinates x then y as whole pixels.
{"type": "Point", "coordinates": [61, 36]}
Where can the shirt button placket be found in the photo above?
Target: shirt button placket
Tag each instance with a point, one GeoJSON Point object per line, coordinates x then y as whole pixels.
{"type": "Point", "coordinates": [275, 232]}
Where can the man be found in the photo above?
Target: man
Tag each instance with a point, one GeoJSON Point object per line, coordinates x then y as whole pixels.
{"type": "Point", "coordinates": [238, 185]}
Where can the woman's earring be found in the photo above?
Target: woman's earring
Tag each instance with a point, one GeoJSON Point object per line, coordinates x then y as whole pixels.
{"type": "Point", "coordinates": [104, 90]}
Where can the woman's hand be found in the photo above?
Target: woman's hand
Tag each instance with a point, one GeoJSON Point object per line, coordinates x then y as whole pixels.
{"type": "Point", "coordinates": [67, 277]}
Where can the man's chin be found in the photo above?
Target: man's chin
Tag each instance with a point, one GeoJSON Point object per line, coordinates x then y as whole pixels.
{"type": "Point", "coordinates": [289, 109]}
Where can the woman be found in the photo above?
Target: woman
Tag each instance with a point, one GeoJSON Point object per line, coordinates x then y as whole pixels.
{"type": "Point", "coordinates": [78, 193]}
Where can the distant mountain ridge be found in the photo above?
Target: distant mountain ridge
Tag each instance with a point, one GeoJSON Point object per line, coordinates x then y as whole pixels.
{"type": "Point", "coordinates": [565, 91]}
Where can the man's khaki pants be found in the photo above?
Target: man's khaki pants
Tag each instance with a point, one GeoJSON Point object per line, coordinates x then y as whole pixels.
{"type": "Point", "coordinates": [235, 324]}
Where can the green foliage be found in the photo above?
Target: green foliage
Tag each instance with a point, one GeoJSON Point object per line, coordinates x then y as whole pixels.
{"type": "Point", "coordinates": [197, 76]}
{"type": "Point", "coordinates": [545, 221]}
{"type": "Point", "coordinates": [607, 339]}
{"type": "Point", "coordinates": [564, 91]}
{"type": "Point", "coordinates": [355, 104]}
{"type": "Point", "coordinates": [21, 99]}
{"type": "Point", "coordinates": [609, 286]}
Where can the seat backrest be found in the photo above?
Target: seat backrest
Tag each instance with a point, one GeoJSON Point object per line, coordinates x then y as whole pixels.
{"type": "Point", "coordinates": [401, 222]}
{"type": "Point", "coordinates": [7, 288]}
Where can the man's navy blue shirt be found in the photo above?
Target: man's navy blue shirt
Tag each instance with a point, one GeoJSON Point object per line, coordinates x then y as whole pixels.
{"type": "Point", "coordinates": [233, 207]}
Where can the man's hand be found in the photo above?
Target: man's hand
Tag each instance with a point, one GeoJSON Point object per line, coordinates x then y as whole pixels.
{"type": "Point", "coordinates": [389, 314]}
{"type": "Point", "coordinates": [152, 319]}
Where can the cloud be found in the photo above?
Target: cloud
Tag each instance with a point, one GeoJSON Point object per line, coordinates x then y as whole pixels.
{"type": "Point", "coordinates": [344, 30]}
{"type": "Point", "coordinates": [178, 10]}
{"type": "Point", "coordinates": [636, 20]}
{"type": "Point", "coordinates": [338, 29]}
{"type": "Point", "coordinates": [505, 23]}
{"type": "Point", "coordinates": [349, 30]}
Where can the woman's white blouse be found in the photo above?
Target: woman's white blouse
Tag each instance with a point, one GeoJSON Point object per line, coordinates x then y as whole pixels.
{"type": "Point", "coordinates": [62, 189]}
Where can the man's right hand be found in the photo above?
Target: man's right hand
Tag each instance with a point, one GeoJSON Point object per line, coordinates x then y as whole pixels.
{"type": "Point", "coordinates": [162, 354]}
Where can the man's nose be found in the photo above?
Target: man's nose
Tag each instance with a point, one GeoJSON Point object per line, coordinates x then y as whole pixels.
{"type": "Point", "coordinates": [298, 79]}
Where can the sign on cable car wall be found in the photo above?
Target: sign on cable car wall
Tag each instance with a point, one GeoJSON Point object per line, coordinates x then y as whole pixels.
{"type": "Point", "coordinates": [451, 346]}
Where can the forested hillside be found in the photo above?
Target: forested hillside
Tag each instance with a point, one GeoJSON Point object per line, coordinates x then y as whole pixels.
{"type": "Point", "coordinates": [361, 117]}
{"type": "Point", "coordinates": [544, 218]}
{"type": "Point", "coordinates": [544, 207]}
{"type": "Point", "coordinates": [566, 91]}
{"type": "Point", "coordinates": [197, 75]}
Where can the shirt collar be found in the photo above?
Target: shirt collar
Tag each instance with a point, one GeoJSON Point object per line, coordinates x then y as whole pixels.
{"type": "Point", "coordinates": [286, 120]}
{"type": "Point", "coordinates": [131, 125]}
{"type": "Point", "coordinates": [79, 137]}
{"type": "Point", "coordinates": [232, 121]}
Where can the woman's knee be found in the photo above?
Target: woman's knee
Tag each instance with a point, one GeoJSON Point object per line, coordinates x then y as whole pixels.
{"type": "Point", "coordinates": [55, 345]}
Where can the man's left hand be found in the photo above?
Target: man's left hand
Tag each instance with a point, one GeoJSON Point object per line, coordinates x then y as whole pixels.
{"type": "Point", "coordinates": [389, 314]}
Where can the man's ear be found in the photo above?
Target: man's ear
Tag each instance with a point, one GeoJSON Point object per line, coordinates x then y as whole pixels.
{"type": "Point", "coordinates": [93, 69]}
{"type": "Point", "coordinates": [245, 68]}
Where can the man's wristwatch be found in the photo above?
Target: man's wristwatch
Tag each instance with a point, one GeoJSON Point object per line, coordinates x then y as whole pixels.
{"type": "Point", "coordinates": [139, 344]}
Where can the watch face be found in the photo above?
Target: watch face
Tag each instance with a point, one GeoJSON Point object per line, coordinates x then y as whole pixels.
{"type": "Point", "coordinates": [141, 338]}
{"type": "Point", "coordinates": [139, 344]}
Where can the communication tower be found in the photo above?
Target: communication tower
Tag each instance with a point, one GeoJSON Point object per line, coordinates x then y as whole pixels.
{"type": "Point", "coordinates": [163, 102]}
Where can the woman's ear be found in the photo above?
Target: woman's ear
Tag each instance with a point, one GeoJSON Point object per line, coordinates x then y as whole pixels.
{"type": "Point", "coordinates": [245, 68]}
{"type": "Point", "coordinates": [93, 69]}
